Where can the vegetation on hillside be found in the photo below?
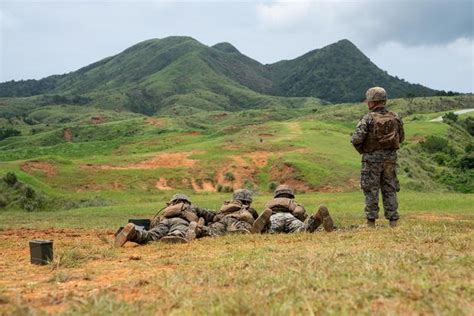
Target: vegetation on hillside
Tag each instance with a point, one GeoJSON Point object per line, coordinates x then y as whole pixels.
{"type": "Point", "coordinates": [159, 76]}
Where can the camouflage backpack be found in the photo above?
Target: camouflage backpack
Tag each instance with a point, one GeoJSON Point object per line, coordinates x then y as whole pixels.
{"type": "Point", "coordinates": [384, 133]}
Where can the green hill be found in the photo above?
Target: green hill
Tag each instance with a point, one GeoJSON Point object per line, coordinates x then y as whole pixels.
{"type": "Point", "coordinates": [338, 73]}
{"type": "Point", "coordinates": [175, 73]}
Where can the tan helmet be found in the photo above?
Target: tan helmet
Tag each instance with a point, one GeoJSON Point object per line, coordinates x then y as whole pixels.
{"type": "Point", "coordinates": [243, 195]}
{"type": "Point", "coordinates": [284, 189]}
{"type": "Point", "coordinates": [376, 94]}
{"type": "Point", "coordinates": [179, 197]}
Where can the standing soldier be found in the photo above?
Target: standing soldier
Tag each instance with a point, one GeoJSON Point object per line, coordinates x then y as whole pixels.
{"type": "Point", "coordinates": [177, 223]}
{"type": "Point", "coordinates": [235, 216]}
{"type": "Point", "coordinates": [377, 137]}
{"type": "Point", "coordinates": [283, 215]}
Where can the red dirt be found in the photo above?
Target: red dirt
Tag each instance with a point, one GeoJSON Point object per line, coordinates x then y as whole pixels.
{"type": "Point", "coordinates": [67, 134]}
{"type": "Point", "coordinates": [98, 119]}
{"type": "Point", "coordinates": [162, 185]}
{"type": "Point", "coordinates": [155, 122]}
{"type": "Point", "coordinates": [48, 168]}
{"type": "Point", "coordinates": [242, 169]}
{"type": "Point", "coordinates": [286, 174]}
{"type": "Point", "coordinates": [164, 160]}
{"type": "Point", "coordinates": [52, 288]}
{"type": "Point", "coordinates": [417, 139]}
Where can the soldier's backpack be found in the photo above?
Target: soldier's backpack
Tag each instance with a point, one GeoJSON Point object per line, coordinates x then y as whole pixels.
{"type": "Point", "coordinates": [384, 133]}
{"type": "Point", "coordinates": [287, 205]}
{"type": "Point", "coordinates": [236, 209]}
{"type": "Point", "coordinates": [181, 210]}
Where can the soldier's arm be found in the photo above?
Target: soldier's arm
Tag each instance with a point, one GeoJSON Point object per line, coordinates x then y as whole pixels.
{"type": "Point", "coordinates": [360, 133]}
{"type": "Point", "coordinates": [253, 212]}
{"type": "Point", "coordinates": [208, 215]}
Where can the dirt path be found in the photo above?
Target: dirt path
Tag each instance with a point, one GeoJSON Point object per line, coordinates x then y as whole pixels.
{"type": "Point", "coordinates": [48, 168]}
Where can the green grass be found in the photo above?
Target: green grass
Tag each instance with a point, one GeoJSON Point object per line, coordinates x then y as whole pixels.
{"type": "Point", "coordinates": [421, 267]}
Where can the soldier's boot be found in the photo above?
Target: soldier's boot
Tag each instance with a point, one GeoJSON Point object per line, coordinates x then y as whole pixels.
{"type": "Point", "coordinates": [127, 233]}
{"type": "Point", "coordinates": [371, 223]}
{"type": "Point", "coordinates": [261, 222]}
{"type": "Point", "coordinates": [393, 223]}
{"type": "Point", "coordinates": [323, 215]}
{"type": "Point", "coordinates": [191, 232]}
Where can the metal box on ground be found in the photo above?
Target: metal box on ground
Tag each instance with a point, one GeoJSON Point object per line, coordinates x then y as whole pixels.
{"type": "Point", "coordinates": [141, 222]}
{"type": "Point", "coordinates": [41, 251]}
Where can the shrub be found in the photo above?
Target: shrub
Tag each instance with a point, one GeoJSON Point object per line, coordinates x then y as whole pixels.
{"type": "Point", "coordinates": [467, 162]}
{"type": "Point", "coordinates": [229, 176]}
{"type": "Point", "coordinates": [272, 186]}
{"type": "Point", "coordinates": [434, 144]}
{"type": "Point", "coordinates": [450, 117]}
{"type": "Point", "coordinates": [227, 189]}
{"type": "Point", "coordinates": [219, 187]}
{"type": "Point", "coordinates": [6, 132]}
{"type": "Point", "coordinates": [10, 179]}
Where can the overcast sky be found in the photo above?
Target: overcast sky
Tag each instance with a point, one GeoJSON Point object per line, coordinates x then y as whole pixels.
{"type": "Point", "coordinates": [429, 42]}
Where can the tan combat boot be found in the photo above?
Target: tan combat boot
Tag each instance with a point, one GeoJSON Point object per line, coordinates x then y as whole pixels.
{"type": "Point", "coordinates": [322, 216]}
{"type": "Point", "coordinates": [261, 222]}
{"type": "Point", "coordinates": [126, 234]}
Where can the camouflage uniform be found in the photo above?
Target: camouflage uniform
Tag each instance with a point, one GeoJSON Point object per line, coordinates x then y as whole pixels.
{"type": "Point", "coordinates": [234, 216]}
{"type": "Point", "coordinates": [176, 226]}
{"type": "Point", "coordinates": [287, 215]}
{"type": "Point", "coordinates": [378, 167]}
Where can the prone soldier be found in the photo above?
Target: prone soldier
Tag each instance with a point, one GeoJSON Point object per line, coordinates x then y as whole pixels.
{"type": "Point", "coordinates": [177, 223]}
{"type": "Point", "coordinates": [283, 214]}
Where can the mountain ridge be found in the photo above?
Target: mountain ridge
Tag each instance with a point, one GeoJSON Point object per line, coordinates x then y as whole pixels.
{"type": "Point", "coordinates": [154, 75]}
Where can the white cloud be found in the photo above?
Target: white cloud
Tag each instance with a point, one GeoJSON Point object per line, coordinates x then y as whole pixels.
{"type": "Point", "coordinates": [444, 67]}
{"type": "Point", "coordinates": [282, 14]}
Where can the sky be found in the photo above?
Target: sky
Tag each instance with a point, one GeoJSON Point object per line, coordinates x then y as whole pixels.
{"type": "Point", "coordinates": [430, 42]}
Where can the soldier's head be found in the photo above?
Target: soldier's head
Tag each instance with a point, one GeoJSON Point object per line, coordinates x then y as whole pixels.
{"type": "Point", "coordinates": [285, 191]}
{"type": "Point", "coordinates": [376, 97]}
{"type": "Point", "coordinates": [243, 195]}
{"type": "Point", "coordinates": [179, 198]}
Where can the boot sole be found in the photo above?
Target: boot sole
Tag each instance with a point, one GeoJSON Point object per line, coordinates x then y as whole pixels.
{"type": "Point", "coordinates": [122, 236]}
{"type": "Point", "coordinates": [328, 223]}
{"type": "Point", "coordinates": [261, 222]}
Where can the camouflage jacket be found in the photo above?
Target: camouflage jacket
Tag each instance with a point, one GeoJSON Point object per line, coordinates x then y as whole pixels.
{"type": "Point", "coordinates": [360, 135]}
{"type": "Point", "coordinates": [196, 213]}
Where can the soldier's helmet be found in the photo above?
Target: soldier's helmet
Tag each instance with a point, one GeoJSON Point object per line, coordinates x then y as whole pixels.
{"type": "Point", "coordinates": [376, 94]}
{"type": "Point", "coordinates": [284, 189]}
{"type": "Point", "coordinates": [179, 197]}
{"type": "Point", "coordinates": [243, 195]}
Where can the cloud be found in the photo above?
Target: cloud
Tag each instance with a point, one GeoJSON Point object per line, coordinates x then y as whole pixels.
{"type": "Point", "coordinates": [441, 66]}
{"type": "Point", "coordinates": [371, 22]}
{"type": "Point", "coordinates": [282, 14]}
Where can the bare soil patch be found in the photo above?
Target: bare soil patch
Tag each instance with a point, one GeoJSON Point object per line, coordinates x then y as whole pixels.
{"type": "Point", "coordinates": [162, 185]}
{"type": "Point", "coordinates": [98, 119]}
{"type": "Point", "coordinates": [67, 134]}
{"type": "Point", "coordinates": [155, 122]}
{"type": "Point", "coordinates": [164, 160]}
{"type": "Point", "coordinates": [48, 168]}
{"type": "Point", "coordinates": [284, 173]}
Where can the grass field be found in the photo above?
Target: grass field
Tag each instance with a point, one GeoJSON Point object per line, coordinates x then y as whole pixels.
{"type": "Point", "coordinates": [96, 169]}
{"type": "Point", "coordinates": [422, 267]}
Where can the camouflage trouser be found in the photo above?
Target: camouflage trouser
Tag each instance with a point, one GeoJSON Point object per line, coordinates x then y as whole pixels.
{"type": "Point", "coordinates": [225, 225]}
{"type": "Point", "coordinates": [167, 227]}
{"type": "Point", "coordinates": [285, 223]}
{"type": "Point", "coordinates": [381, 176]}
